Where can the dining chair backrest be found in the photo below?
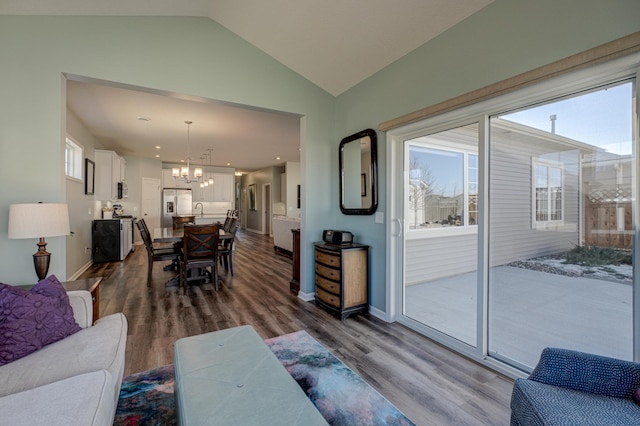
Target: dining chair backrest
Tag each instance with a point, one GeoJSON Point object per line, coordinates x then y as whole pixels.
{"type": "Point", "coordinates": [225, 226]}
{"type": "Point", "coordinates": [200, 242]}
{"type": "Point", "coordinates": [231, 225]}
{"type": "Point", "coordinates": [144, 233]}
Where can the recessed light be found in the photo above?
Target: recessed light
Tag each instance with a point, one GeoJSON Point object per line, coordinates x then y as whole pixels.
{"type": "Point", "coordinates": [182, 161]}
{"type": "Point", "coordinates": [228, 164]}
{"type": "Point", "coordinates": [157, 155]}
{"type": "Point", "coordinates": [157, 146]}
{"type": "Point", "coordinates": [277, 158]}
{"type": "Point", "coordinates": [141, 118]}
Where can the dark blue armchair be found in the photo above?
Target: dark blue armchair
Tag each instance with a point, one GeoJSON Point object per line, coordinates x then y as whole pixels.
{"type": "Point", "coordinates": [575, 388]}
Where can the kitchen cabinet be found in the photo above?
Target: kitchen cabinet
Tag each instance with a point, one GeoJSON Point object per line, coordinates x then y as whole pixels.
{"type": "Point", "coordinates": [109, 170]}
{"type": "Point", "coordinates": [342, 280]}
{"type": "Point", "coordinates": [222, 187]}
{"type": "Point", "coordinates": [112, 239]}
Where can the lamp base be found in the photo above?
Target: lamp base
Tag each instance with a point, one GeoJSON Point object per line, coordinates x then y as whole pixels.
{"type": "Point", "coordinates": [41, 260]}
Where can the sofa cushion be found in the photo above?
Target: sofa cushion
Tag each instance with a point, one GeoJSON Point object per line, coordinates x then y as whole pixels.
{"type": "Point", "coordinates": [81, 400]}
{"type": "Point", "coordinates": [100, 347]}
{"type": "Point", "coordinates": [534, 403]}
{"type": "Point", "coordinates": [32, 319]}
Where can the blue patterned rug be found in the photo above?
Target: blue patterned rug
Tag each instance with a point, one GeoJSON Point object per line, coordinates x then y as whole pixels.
{"type": "Point", "coordinates": [340, 395]}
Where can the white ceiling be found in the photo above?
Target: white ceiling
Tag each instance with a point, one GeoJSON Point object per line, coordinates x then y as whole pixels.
{"type": "Point", "coordinates": [333, 43]}
{"type": "Point", "coordinates": [244, 138]}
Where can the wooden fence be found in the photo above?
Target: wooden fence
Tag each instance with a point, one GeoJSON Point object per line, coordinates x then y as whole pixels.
{"type": "Point", "coordinates": [608, 224]}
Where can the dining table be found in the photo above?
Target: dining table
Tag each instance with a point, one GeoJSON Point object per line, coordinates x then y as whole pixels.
{"type": "Point", "coordinates": [170, 234]}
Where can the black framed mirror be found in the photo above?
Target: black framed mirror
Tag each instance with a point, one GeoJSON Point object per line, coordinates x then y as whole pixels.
{"type": "Point", "coordinates": [359, 173]}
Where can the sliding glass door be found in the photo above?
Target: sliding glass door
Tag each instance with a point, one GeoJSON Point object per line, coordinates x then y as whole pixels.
{"type": "Point", "coordinates": [513, 224]}
{"type": "Point", "coordinates": [561, 181]}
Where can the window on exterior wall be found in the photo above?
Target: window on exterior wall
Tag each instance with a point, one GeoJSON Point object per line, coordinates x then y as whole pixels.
{"type": "Point", "coordinates": [443, 180]}
{"type": "Point", "coordinates": [73, 154]}
{"type": "Point", "coordinates": [547, 192]}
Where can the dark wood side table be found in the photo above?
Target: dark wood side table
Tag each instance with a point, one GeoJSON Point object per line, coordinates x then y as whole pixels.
{"type": "Point", "coordinates": [294, 284]}
{"type": "Point", "coordinates": [92, 285]}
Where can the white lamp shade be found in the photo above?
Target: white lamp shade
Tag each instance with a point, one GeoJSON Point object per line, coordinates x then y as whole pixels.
{"type": "Point", "coordinates": [175, 172]}
{"type": "Point", "coordinates": [184, 172]}
{"type": "Point", "coordinates": [197, 172]}
{"type": "Point", "coordinates": [38, 220]}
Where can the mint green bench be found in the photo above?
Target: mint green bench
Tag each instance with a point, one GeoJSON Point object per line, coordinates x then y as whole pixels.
{"type": "Point", "coordinates": [231, 377]}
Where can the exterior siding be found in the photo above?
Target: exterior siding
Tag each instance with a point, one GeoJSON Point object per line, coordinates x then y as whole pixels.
{"type": "Point", "coordinates": [429, 259]}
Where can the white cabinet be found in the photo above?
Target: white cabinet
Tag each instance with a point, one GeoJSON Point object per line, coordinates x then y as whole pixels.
{"type": "Point", "coordinates": [283, 187]}
{"type": "Point", "coordinates": [202, 194]}
{"type": "Point", "coordinates": [109, 171]}
{"type": "Point", "coordinates": [222, 187]}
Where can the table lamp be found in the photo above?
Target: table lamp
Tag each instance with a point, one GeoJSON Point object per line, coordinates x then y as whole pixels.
{"type": "Point", "coordinates": [39, 220]}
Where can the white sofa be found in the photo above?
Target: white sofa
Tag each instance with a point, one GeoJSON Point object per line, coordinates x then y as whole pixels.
{"type": "Point", "coordinates": [74, 381]}
{"type": "Point", "coordinates": [282, 236]}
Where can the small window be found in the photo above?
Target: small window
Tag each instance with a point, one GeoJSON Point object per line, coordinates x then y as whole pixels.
{"type": "Point", "coordinates": [547, 191]}
{"type": "Point", "coordinates": [73, 154]}
{"type": "Point", "coordinates": [443, 181]}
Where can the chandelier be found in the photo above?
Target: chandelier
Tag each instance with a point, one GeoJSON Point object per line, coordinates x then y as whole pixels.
{"type": "Point", "coordinates": [207, 158]}
{"type": "Point", "coordinates": [184, 173]}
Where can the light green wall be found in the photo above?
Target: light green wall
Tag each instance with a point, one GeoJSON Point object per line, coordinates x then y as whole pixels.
{"type": "Point", "coordinates": [193, 56]}
{"type": "Point", "coordinates": [82, 208]}
{"type": "Point", "coordinates": [505, 39]}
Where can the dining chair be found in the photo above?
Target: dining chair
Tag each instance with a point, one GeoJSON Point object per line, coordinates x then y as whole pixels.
{"type": "Point", "coordinates": [199, 252]}
{"type": "Point", "coordinates": [225, 249]}
{"type": "Point", "coordinates": [155, 254]}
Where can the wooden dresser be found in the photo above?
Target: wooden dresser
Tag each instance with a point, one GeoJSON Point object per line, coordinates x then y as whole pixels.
{"type": "Point", "coordinates": [342, 278]}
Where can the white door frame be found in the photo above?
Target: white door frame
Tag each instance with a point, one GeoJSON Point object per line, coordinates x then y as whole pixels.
{"type": "Point", "coordinates": [266, 209]}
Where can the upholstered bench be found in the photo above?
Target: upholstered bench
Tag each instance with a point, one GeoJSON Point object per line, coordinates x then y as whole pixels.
{"type": "Point", "coordinates": [231, 377]}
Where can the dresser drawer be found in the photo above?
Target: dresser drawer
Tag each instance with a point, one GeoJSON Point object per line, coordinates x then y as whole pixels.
{"type": "Point", "coordinates": [327, 285]}
{"type": "Point", "coordinates": [332, 274]}
{"type": "Point", "coordinates": [328, 258]}
{"type": "Point", "coordinates": [327, 297]}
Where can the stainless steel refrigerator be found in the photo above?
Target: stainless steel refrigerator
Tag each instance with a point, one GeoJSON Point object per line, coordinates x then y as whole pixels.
{"type": "Point", "coordinates": [175, 202]}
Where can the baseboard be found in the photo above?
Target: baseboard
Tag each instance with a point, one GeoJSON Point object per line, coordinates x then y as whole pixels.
{"type": "Point", "coordinates": [255, 231]}
{"type": "Point", "coordinates": [378, 313]}
{"type": "Point", "coordinates": [80, 271]}
{"type": "Point", "coordinates": [307, 297]}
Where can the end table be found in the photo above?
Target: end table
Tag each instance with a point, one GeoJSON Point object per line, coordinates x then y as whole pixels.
{"type": "Point", "coordinates": [92, 285]}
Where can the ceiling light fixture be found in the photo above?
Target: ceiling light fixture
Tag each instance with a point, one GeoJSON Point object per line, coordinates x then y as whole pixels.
{"type": "Point", "coordinates": [211, 173]}
{"type": "Point", "coordinates": [183, 173]}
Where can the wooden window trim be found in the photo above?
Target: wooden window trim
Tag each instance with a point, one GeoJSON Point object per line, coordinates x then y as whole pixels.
{"type": "Point", "coordinates": [605, 52]}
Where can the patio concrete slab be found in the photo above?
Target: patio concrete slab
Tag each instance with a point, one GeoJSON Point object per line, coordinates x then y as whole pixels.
{"type": "Point", "coordinates": [530, 310]}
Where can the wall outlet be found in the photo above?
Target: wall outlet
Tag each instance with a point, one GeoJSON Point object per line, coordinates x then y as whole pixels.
{"type": "Point", "coordinates": [379, 217]}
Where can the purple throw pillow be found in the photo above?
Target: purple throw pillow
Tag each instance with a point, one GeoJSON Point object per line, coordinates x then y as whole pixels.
{"type": "Point", "coordinates": [32, 319]}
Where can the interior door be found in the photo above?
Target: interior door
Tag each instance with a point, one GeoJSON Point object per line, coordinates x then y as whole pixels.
{"type": "Point", "coordinates": [150, 203]}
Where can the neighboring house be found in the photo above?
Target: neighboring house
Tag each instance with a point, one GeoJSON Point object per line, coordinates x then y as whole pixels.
{"type": "Point", "coordinates": [577, 212]}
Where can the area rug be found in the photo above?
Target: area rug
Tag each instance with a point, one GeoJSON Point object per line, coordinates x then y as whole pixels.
{"type": "Point", "coordinates": [340, 395]}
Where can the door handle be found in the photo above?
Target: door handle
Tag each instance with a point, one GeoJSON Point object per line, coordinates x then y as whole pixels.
{"type": "Point", "coordinates": [399, 223]}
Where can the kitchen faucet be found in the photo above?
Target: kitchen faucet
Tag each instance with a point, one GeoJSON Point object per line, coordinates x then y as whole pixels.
{"type": "Point", "coordinates": [201, 209]}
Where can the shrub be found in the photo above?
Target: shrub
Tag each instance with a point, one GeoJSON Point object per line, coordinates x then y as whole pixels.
{"type": "Point", "coordinates": [597, 256]}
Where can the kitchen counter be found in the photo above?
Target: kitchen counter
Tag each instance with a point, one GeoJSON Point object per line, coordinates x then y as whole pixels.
{"type": "Point", "coordinates": [210, 218]}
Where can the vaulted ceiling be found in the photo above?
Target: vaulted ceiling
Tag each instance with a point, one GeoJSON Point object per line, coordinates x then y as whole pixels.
{"type": "Point", "coordinates": [320, 40]}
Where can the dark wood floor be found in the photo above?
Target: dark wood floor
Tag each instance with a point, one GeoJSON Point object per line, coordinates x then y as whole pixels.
{"type": "Point", "coordinates": [429, 383]}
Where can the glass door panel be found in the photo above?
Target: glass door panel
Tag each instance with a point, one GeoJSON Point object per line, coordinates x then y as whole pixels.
{"type": "Point", "coordinates": [560, 229]}
{"type": "Point", "coordinates": [440, 238]}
